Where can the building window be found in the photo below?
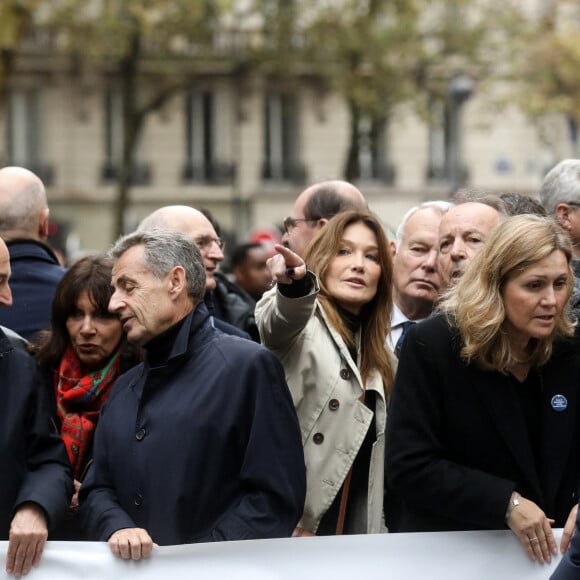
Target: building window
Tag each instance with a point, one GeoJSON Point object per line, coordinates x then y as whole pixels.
{"type": "Point", "coordinates": [114, 143]}
{"type": "Point", "coordinates": [24, 133]}
{"type": "Point", "coordinates": [437, 169]}
{"type": "Point", "coordinates": [372, 151]}
{"type": "Point", "coordinates": [281, 139]}
{"type": "Point", "coordinates": [202, 163]}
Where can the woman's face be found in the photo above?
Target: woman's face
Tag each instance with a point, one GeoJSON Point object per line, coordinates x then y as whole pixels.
{"type": "Point", "coordinates": [535, 298]}
{"type": "Point", "coordinates": [353, 274]}
{"type": "Point", "coordinates": [94, 337]}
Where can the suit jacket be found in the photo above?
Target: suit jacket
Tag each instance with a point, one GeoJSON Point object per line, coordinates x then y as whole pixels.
{"type": "Point", "coordinates": [457, 441]}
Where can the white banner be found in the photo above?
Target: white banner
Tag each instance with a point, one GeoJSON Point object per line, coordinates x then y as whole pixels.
{"type": "Point", "coordinates": [446, 556]}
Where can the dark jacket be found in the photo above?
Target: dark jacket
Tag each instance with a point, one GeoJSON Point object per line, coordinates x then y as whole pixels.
{"type": "Point", "coordinates": [457, 440]}
{"type": "Point", "coordinates": [234, 306]}
{"type": "Point", "coordinates": [34, 278]}
{"type": "Point", "coordinates": [34, 463]}
{"type": "Point", "coordinates": [203, 448]}
{"type": "Point", "coordinates": [15, 339]}
{"type": "Point", "coordinates": [569, 567]}
{"type": "Point", "coordinates": [220, 324]}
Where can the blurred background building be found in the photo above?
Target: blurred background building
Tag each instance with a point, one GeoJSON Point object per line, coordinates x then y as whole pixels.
{"type": "Point", "coordinates": [124, 106]}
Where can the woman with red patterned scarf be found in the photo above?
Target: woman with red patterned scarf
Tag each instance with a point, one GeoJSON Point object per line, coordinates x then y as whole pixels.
{"type": "Point", "coordinates": [82, 356]}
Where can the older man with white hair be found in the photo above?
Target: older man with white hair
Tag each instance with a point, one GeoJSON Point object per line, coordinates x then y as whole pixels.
{"type": "Point", "coordinates": [416, 279]}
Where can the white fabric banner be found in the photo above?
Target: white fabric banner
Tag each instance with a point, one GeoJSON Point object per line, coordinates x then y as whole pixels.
{"type": "Point", "coordinates": [446, 556]}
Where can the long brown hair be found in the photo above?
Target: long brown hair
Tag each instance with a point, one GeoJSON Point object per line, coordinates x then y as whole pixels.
{"type": "Point", "coordinates": [376, 315]}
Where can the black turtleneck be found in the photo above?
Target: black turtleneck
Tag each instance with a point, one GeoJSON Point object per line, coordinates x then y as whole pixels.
{"type": "Point", "coordinates": [352, 322]}
{"type": "Point", "coordinates": [159, 347]}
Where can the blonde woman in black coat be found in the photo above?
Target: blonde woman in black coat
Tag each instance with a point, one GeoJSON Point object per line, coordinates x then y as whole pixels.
{"type": "Point", "coordinates": [483, 423]}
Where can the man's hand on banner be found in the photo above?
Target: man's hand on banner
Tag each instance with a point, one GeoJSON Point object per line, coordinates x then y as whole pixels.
{"type": "Point", "coordinates": [131, 544]}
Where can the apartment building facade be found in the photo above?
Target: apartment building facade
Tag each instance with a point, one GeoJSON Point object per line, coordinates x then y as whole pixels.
{"type": "Point", "coordinates": [244, 149]}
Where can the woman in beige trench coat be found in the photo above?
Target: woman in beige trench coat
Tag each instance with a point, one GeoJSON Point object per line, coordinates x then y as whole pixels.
{"type": "Point", "coordinates": [328, 324]}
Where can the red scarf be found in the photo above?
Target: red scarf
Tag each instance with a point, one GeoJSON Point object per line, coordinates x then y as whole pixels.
{"type": "Point", "coordinates": [79, 399]}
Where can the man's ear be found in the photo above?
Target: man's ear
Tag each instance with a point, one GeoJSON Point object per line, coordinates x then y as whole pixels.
{"type": "Point", "coordinates": [177, 281]}
{"type": "Point", "coordinates": [321, 223]}
{"type": "Point", "coordinates": [43, 224]}
{"type": "Point", "coordinates": [563, 215]}
{"type": "Point", "coordinates": [393, 246]}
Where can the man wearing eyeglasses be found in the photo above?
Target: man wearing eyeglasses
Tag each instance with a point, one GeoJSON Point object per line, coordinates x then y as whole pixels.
{"type": "Point", "coordinates": [560, 196]}
{"type": "Point", "coordinates": [194, 224]}
{"type": "Point", "coordinates": [314, 207]}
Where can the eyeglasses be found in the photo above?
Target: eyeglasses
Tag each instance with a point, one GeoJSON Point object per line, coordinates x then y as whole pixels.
{"type": "Point", "coordinates": [204, 242]}
{"type": "Point", "coordinates": [290, 222]}
{"type": "Point", "coordinates": [572, 203]}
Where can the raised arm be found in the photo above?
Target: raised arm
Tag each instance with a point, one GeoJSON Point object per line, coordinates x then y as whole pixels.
{"type": "Point", "coordinates": [285, 310]}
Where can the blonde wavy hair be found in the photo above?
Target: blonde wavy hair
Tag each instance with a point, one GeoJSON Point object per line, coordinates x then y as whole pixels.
{"type": "Point", "coordinates": [374, 316]}
{"type": "Point", "coordinates": [475, 306]}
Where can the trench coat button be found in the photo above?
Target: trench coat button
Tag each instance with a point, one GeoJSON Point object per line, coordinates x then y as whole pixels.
{"type": "Point", "coordinates": [333, 404]}
{"type": "Point", "coordinates": [138, 501]}
{"type": "Point", "coordinates": [345, 374]}
{"type": "Point", "coordinates": [318, 438]}
{"type": "Point", "coordinates": [140, 435]}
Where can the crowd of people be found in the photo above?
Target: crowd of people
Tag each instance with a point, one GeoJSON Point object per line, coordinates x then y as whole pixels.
{"type": "Point", "coordinates": [337, 383]}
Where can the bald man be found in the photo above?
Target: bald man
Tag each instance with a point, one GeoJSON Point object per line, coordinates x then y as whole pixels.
{"type": "Point", "coordinates": [463, 231]}
{"type": "Point", "coordinates": [36, 271]}
{"type": "Point", "coordinates": [314, 207]}
{"type": "Point", "coordinates": [232, 313]}
{"type": "Point", "coordinates": [194, 224]}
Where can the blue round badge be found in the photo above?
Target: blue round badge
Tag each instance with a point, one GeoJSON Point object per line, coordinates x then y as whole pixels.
{"type": "Point", "coordinates": [559, 403]}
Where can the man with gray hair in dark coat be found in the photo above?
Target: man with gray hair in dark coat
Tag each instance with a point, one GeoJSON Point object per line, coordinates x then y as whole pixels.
{"type": "Point", "coordinates": [200, 442]}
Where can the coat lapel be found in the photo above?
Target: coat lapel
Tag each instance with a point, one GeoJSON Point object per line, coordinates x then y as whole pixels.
{"type": "Point", "coordinates": [499, 397]}
{"type": "Point", "coordinates": [559, 380]}
{"type": "Point", "coordinates": [341, 347]}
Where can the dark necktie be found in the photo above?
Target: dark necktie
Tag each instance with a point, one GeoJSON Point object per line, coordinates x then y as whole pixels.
{"type": "Point", "coordinates": [405, 326]}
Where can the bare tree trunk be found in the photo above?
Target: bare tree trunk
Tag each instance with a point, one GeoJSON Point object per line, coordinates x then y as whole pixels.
{"type": "Point", "coordinates": [132, 124]}
{"type": "Point", "coordinates": [6, 59]}
{"type": "Point", "coordinates": [15, 20]}
{"type": "Point", "coordinates": [352, 169]}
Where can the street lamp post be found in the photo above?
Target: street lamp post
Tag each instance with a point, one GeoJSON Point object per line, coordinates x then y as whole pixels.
{"type": "Point", "coordinates": [460, 90]}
